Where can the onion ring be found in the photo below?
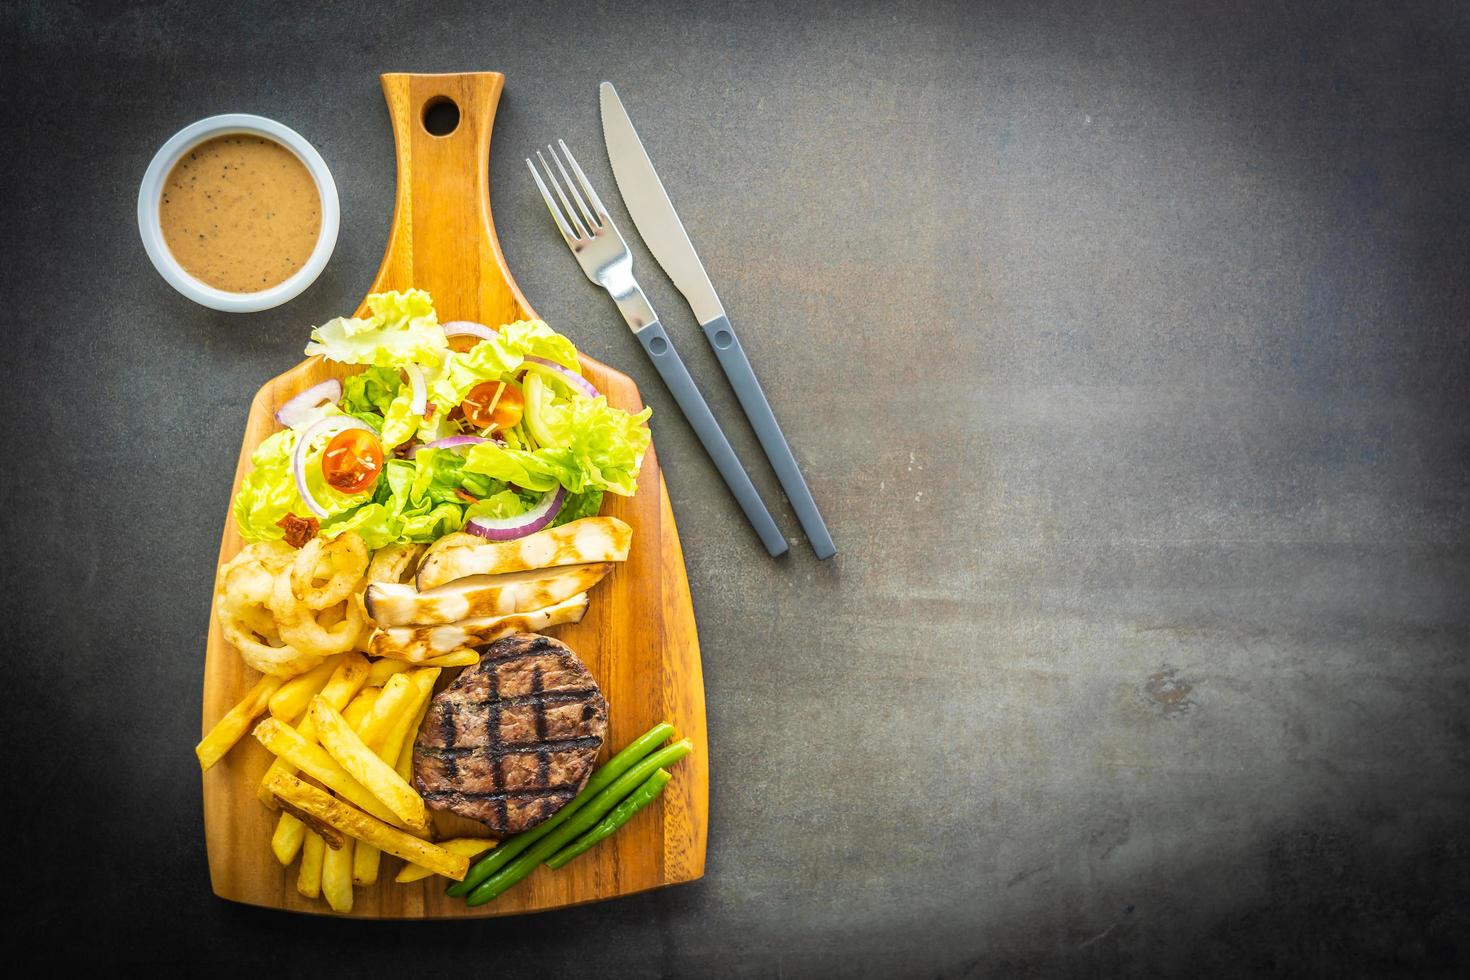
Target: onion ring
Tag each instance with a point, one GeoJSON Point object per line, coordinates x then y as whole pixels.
{"type": "Point", "coordinates": [300, 628]}
{"type": "Point", "coordinates": [263, 655]}
{"type": "Point", "coordinates": [346, 558]}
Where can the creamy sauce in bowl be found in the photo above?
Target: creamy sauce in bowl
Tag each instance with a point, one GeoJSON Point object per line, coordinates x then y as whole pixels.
{"type": "Point", "coordinates": [240, 213]}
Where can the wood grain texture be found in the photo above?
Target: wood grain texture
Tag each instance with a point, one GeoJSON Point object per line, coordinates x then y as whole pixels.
{"type": "Point", "coordinates": [638, 637]}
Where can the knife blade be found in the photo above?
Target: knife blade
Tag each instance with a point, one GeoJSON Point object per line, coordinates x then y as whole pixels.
{"type": "Point", "coordinates": [654, 215]}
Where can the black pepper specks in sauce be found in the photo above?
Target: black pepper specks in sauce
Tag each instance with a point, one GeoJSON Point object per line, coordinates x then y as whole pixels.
{"type": "Point", "coordinates": [240, 213]}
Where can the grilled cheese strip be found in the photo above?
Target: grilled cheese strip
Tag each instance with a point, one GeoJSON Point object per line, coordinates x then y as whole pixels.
{"type": "Point", "coordinates": [480, 596]}
{"type": "Point", "coordinates": [419, 643]}
{"type": "Point", "coordinates": [592, 539]}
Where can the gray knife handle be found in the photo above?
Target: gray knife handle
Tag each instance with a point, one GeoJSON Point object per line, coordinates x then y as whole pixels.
{"type": "Point", "coordinates": [659, 349]}
{"type": "Point", "coordinates": [737, 367]}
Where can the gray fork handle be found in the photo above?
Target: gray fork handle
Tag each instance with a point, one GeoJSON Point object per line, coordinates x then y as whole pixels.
{"type": "Point", "coordinates": [661, 351]}
{"type": "Point", "coordinates": [737, 368]}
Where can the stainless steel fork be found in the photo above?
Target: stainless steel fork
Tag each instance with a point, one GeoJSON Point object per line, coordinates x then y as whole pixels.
{"type": "Point", "coordinates": [604, 257]}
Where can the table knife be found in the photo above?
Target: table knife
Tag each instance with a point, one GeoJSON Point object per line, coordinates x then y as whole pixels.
{"type": "Point", "coordinates": [652, 211]}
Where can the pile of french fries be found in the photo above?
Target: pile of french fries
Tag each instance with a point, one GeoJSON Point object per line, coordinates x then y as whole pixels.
{"type": "Point", "coordinates": [342, 735]}
{"type": "Point", "coordinates": [342, 727]}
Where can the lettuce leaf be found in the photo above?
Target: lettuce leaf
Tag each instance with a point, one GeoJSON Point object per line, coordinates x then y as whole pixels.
{"type": "Point", "coordinates": [268, 492]}
{"type": "Point", "coordinates": [368, 394]}
{"type": "Point", "coordinates": [602, 449]}
{"type": "Point", "coordinates": [499, 358]}
{"type": "Point", "coordinates": [400, 424]}
{"type": "Point", "coordinates": [403, 329]}
{"type": "Point", "coordinates": [578, 506]}
{"type": "Point", "coordinates": [506, 503]}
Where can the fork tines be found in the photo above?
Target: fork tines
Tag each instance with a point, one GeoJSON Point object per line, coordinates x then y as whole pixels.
{"type": "Point", "coordinates": [574, 226]}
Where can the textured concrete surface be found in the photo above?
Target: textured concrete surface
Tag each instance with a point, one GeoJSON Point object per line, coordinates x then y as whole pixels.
{"type": "Point", "coordinates": [1124, 346]}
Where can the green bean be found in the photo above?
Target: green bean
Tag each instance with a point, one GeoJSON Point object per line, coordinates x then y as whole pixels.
{"type": "Point", "coordinates": [652, 787]}
{"type": "Point", "coordinates": [584, 820]}
{"type": "Point", "coordinates": [509, 848]}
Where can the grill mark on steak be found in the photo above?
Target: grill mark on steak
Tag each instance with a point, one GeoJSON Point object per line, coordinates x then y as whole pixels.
{"type": "Point", "coordinates": [550, 697]}
{"type": "Point", "coordinates": [537, 650]}
{"type": "Point", "coordinates": [524, 811]}
{"type": "Point", "coordinates": [505, 749]}
{"type": "Point", "coordinates": [514, 737]}
{"type": "Point", "coordinates": [543, 763]}
{"type": "Point", "coordinates": [503, 795]}
{"type": "Point", "coordinates": [448, 734]}
{"type": "Point", "coordinates": [497, 778]}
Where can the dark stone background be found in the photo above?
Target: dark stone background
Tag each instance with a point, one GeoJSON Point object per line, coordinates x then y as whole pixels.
{"type": "Point", "coordinates": [1124, 345]}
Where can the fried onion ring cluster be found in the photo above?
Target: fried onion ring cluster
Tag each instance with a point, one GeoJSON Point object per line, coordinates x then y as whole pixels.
{"type": "Point", "coordinates": [287, 610]}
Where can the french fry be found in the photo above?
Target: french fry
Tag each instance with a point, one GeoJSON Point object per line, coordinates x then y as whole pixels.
{"type": "Point", "coordinates": [287, 743]}
{"type": "Point", "coordinates": [380, 670]}
{"type": "Point", "coordinates": [313, 804]}
{"type": "Point", "coordinates": [337, 878]}
{"type": "Point", "coordinates": [405, 726]}
{"type": "Point", "coordinates": [397, 699]}
{"type": "Point", "coordinates": [292, 697]}
{"type": "Point", "coordinates": [405, 754]}
{"type": "Point", "coordinates": [347, 679]}
{"type": "Point", "coordinates": [383, 669]}
{"type": "Point", "coordinates": [387, 667]}
{"type": "Point", "coordinates": [361, 706]}
{"type": "Point", "coordinates": [380, 779]}
{"type": "Point", "coordinates": [468, 846]}
{"type": "Point", "coordinates": [289, 835]}
{"type": "Point", "coordinates": [463, 657]}
{"type": "Point", "coordinates": [309, 875]}
{"type": "Point", "coordinates": [366, 861]}
{"type": "Point", "coordinates": [366, 858]}
{"type": "Point", "coordinates": [236, 722]}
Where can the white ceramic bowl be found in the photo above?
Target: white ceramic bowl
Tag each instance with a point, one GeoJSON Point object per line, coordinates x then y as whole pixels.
{"type": "Point", "coordinates": [151, 193]}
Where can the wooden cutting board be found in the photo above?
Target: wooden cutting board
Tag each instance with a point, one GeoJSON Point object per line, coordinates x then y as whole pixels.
{"type": "Point", "coordinates": [638, 637]}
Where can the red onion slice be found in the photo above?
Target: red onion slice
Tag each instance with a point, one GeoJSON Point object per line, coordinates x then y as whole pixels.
{"type": "Point", "coordinates": [509, 528]}
{"type": "Point", "coordinates": [327, 426]}
{"type": "Point", "coordinates": [468, 328]}
{"type": "Point", "coordinates": [566, 374]}
{"type": "Point", "coordinates": [301, 407]}
{"type": "Point", "coordinates": [419, 402]}
{"type": "Point", "coordinates": [451, 442]}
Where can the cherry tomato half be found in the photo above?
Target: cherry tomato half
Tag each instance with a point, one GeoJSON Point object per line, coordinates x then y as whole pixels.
{"type": "Point", "coordinates": [506, 410]}
{"type": "Point", "coordinates": [352, 461]}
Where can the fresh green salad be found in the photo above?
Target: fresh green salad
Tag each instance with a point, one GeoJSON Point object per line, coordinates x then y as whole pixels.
{"type": "Point", "coordinates": [448, 427]}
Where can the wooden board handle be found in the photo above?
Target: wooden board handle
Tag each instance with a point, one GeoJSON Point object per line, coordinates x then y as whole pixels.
{"type": "Point", "coordinates": [443, 234]}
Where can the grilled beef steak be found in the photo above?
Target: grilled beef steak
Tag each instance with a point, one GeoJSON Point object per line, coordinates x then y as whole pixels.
{"type": "Point", "coordinates": [514, 737]}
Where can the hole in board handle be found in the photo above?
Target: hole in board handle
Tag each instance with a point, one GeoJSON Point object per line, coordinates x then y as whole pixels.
{"type": "Point", "coordinates": [441, 116]}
